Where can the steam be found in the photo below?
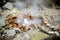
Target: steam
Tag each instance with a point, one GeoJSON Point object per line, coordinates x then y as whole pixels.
{"type": "Point", "coordinates": [25, 21]}
{"type": "Point", "coordinates": [29, 6]}
{"type": "Point", "coordinates": [21, 4]}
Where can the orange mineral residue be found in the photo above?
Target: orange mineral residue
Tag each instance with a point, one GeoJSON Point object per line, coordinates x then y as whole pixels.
{"type": "Point", "coordinates": [13, 23]}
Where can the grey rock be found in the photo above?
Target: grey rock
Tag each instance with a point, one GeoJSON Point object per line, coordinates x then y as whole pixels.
{"type": "Point", "coordinates": [10, 32]}
{"type": "Point", "coordinates": [2, 22]}
{"type": "Point", "coordinates": [8, 5]}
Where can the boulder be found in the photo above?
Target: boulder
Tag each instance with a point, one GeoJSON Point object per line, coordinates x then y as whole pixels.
{"type": "Point", "coordinates": [8, 5]}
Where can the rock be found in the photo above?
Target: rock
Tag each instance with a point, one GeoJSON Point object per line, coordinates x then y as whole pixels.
{"type": "Point", "coordinates": [21, 37]}
{"type": "Point", "coordinates": [8, 5]}
{"type": "Point", "coordinates": [10, 32]}
{"type": "Point", "coordinates": [2, 22]}
{"type": "Point", "coordinates": [35, 35]}
{"type": "Point", "coordinates": [0, 10]}
{"type": "Point", "coordinates": [31, 35]}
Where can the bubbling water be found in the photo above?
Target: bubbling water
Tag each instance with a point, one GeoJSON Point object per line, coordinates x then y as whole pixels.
{"type": "Point", "coordinates": [26, 21]}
